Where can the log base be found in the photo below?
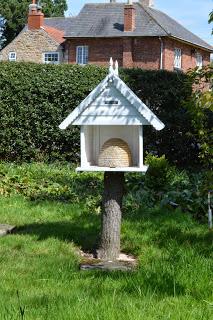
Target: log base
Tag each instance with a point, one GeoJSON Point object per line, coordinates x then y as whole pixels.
{"type": "Point", "coordinates": [109, 249]}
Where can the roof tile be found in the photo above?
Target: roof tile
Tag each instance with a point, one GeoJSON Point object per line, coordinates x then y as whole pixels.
{"type": "Point", "coordinates": [56, 34]}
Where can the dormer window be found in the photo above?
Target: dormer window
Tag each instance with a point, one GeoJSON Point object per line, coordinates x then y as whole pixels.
{"type": "Point", "coordinates": [199, 60]}
{"type": "Point", "coordinates": [82, 53]}
{"type": "Point", "coordinates": [12, 56]}
{"type": "Point", "coordinates": [177, 58]}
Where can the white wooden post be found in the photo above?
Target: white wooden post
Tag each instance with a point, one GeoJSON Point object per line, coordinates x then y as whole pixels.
{"type": "Point", "coordinates": [84, 161]}
{"type": "Point", "coordinates": [140, 146]}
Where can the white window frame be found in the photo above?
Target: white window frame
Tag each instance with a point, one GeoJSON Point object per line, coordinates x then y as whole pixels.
{"type": "Point", "coordinates": [199, 60]}
{"type": "Point", "coordinates": [51, 53]}
{"type": "Point", "coordinates": [12, 56]}
{"type": "Point", "coordinates": [84, 56]}
{"type": "Point", "coordinates": [177, 58]}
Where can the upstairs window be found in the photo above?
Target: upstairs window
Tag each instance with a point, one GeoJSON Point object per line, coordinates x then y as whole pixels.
{"type": "Point", "coordinates": [177, 58]}
{"type": "Point", "coordinates": [51, 57]}
{"type": "Point", "coordinates": [82, 55]}
{"type": "Point", "coordinates": [199, 60]}
{"type": "Point", "coordinates": [12, 56]}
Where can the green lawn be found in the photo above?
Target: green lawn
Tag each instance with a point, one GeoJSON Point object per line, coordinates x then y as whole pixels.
{"type": "Point", "coordinates": [174, 279]}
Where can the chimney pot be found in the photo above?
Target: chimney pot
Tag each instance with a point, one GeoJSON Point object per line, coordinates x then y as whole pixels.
{"type": "Point", "coordinates": [35, 16]}
{"type": "Point", "coordinates": [147, 3]}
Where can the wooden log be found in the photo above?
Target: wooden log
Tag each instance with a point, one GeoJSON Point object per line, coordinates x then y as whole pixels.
{"type": "Point", "coordinates": [109, 249]}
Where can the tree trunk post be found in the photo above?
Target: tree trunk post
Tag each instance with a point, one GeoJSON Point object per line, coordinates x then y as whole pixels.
{"type": "Point", "coordinates": [109, 249]}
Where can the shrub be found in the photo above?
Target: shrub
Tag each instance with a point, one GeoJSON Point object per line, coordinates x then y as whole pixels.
{"type": "Point", "coordinates": [157, 174]}
{"type": "Point", "coordinates": [170, 187]}
{"type": "Point", "coordinates": [164, 92]}
{"type": "Point", "coordinates": [200, 107]}
{"type": "Point", "coordinates": [35, 98]}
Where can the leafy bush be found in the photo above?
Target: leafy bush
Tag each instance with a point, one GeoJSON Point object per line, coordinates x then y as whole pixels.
{"type": "Point", "coordinates": [157, 174]}
{"type": "Point", "coordinates": [56, 182]}
{"type": "Point", "coordinates": [200, 107]}
{"type": "Point", "coordinates": [35, 98]}
{"type": "Point", "coordinates": [169, 187]}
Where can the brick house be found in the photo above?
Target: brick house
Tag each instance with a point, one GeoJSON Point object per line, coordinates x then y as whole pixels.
{"type": "Point", "coordinates": [39, 41]}
{"type": "Point", "coordinates": [136, 34]}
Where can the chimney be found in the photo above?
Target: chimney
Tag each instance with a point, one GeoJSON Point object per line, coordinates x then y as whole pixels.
{"type": "Point", "coordinates": [147, 3]}
{"type": "Point", "coordinates": [35, 16]}
{"type": "Point", "coordinates": [129, 16]}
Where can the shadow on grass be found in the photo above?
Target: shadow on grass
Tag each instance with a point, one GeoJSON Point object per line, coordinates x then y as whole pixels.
{"type": "Point", "coordinates": [202, 244]}
{"type": "Point", "coordinates": [83, 232]}
{"type": "Point", "coordinates": [162, 230]}
{"type": "Point", "coordinates": [166, 227]}
{"type": "Point", "coordinates": [150, 279]}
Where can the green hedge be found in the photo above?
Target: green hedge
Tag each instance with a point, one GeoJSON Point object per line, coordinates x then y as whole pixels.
{"type": "Point", "coordinates": [34, 99]}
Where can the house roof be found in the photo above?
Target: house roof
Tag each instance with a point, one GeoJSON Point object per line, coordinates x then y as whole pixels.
{"type": "Point", "coordinates": [56, 26]}
{"type": "Point", "coordinates": [107, 20]}
{"type": "Point", "coordinates": [59, 23]}
{"type": "Point", "coordinates": [56, 34]}
{"type": "Point", "coordinates": [112, 102]}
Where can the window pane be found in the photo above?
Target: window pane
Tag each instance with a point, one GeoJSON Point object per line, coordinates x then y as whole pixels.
{"type": "Point", "coordinates": [85, 55]}
{"type": "Point", "coordinates": [51, 57]}
{"type": "Point", "coordinates": [177, 58]}
{"type": "Point", "coordinates": [79, 55]}
{"type": "Point", "coordinates": [82, 55]}
{"type": "Point", "coordinates": [12, 56]}
{"type": "Point", "coordinates": [199, 60]}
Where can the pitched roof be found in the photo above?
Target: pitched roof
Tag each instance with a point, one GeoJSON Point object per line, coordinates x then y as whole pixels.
{"type": "Point", "coordinates": [107, 20]}
{"type": "Point", "coordinates": [59, 23]}
{"type": "Point", "coordinates": [56, 34]}
{"type": "Point", "coordinates": [110, 88]}
{"type": "Point", "coordinates": [56, 26]}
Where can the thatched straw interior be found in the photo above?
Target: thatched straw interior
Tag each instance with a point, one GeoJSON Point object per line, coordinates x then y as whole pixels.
{"type": "Point", "coordinates": [115, 153]}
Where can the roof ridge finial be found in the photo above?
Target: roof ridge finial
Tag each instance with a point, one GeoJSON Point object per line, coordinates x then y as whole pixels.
{"type": "Point", "coordinates": [113, 67]}
{"type": "Point", "coordinates": [116, 68]}
{"type": "Point", "coordinates": [111, 70]}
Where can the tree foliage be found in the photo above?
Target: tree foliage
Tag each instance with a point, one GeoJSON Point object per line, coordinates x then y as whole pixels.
{"type": "Point", "coordinates": [14, 15]}
{"type": "Point", "coordinates": [200, 106]}
{"type": "Point", "coordinates": [211, 18]}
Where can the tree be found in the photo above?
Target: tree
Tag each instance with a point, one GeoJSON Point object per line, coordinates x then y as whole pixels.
{"type": "Point", "coordinates": [200, 106]}
{"type": "Point", "coordinates": [13, 14]}
{"type": "Point", "coordinates": [1, 31]}
{"type": "Point", "coordinates": [211, 18]}
{"type": "Point", "coordinates": [111, 216]}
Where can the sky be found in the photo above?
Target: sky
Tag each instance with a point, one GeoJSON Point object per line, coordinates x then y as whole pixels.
{"type": "Point", "coordinates": [192, 14]}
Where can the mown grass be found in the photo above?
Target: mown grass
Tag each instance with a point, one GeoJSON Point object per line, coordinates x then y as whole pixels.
{"type": "Point", "coordinates": [174, 279]}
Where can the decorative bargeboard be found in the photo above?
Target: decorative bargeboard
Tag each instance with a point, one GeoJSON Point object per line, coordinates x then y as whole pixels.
{"type": "Point", "coordinates": [112, 112]}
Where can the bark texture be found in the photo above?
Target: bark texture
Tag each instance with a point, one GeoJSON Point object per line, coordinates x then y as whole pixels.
{"type": "Point", "coordinates": [111, 216]}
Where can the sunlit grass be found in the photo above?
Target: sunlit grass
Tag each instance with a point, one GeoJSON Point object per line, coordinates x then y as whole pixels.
{"type": "Point", "coordinates": [174, 279]}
